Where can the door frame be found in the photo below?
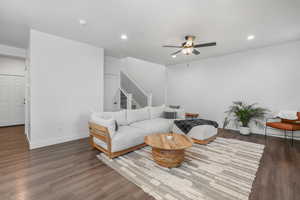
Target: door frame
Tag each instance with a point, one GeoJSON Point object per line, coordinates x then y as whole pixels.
{"type": "Point", "coordinates": [21, 76]}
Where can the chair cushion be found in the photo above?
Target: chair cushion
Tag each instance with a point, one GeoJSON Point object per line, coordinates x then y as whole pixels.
{"type": "Point", "coordinates": [138, 115]}
{"type": "Point", "coordinates": [157, 125]}
{"type": "Point", "coordinates": [291, 121]}
{"type": "Point", "coordinates": [125, 138]}
{"type": "Point", "coordinates": [284, 126]}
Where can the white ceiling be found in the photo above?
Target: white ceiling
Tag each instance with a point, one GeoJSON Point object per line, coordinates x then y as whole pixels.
{"type": "Point", "coordinates": [150, 24]}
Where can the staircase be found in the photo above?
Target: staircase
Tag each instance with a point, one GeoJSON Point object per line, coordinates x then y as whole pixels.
{"type": "Point", "coordinates": [125, 101]}
{"type": "Point", "coordinates": [131, 95]}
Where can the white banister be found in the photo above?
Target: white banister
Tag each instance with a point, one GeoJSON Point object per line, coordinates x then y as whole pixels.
{"type": "Point", "coordinates": [135, 82]}
{"type": "Point", "coordinates": [149, 99]}
{"type": "Point", "coordinates": [129, 101]}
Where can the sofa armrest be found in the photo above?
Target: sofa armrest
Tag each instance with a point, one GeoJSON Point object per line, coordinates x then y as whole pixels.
{"type": "Point", "coordinates": [104, 121]}
{"type": "Point", "coordinates": [100, 132]}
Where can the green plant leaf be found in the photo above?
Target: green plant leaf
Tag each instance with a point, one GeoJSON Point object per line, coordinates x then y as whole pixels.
{"type": "Point", "coordinates": [244, 113]}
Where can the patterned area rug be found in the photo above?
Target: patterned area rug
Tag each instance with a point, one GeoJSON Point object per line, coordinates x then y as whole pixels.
{"type": "Point", "coordinates": [222, 170]}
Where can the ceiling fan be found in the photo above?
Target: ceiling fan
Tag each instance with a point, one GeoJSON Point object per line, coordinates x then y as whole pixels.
{"type": "Point", "coordinates": [188, 47]}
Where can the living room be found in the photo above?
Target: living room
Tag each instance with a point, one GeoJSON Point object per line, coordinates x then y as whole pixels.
{"type": "Point", "coordinates": [149, 99]}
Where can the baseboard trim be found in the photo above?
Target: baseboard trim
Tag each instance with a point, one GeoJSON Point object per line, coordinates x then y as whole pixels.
{"type": "Point", "coordinates": [53, 141]}
{"type": "Point", "coordinates": [14, 125]}
{"type": "Point", "coordinates": [275, 133]}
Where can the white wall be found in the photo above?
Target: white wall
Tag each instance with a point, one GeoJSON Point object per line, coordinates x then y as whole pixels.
{"type": "Point", "coordinates": [268, 76]}
{"type": "Point", "coordinates": [150, 76]}
{"type": "Point", "coordinates": [12, 66]}
{"type": "Point", "coordinates": [66, 85]}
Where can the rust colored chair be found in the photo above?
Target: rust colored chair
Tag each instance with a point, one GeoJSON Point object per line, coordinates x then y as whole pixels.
{"type": "Point", "coordinates": [285, 125]}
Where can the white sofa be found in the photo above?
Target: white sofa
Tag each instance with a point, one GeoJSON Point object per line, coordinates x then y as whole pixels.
{"type": "Point", "coordinates": [133, 126]}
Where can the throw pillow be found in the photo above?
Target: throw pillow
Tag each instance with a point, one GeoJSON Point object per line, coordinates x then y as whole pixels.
{"type": "Point", "coordinates": [156, 112]}
{"type": "Point", "coordinates": [138, 115]}
{"type": "Point", "coordinates": [180, 112]}
{"type": "Point", "coordinates": [119, 116]}
{"type": "Point", "coordinates": [170, 114]}
{"type": "Point", "coordinates": [116, 126]}
{"type": "Point", "coordinates": [174, 107]}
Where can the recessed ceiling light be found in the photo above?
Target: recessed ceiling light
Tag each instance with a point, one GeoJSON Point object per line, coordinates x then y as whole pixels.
{"type": "Point", "coordinates": [173, 56]}
{"type": "Point", "coordinates": [82, 22]}
{"type": "Point", "coordinates": [124, 37]}
{"type": "Point", "coordinates": [250, 37]}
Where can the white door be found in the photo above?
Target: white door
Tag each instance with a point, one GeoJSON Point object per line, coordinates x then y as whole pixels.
{"type": "Point", "coordinates": [111, 88]}
{"type": "Point", "coordinates": [12, 94]}
{"type": "Point", "coordinates": [4, 100]}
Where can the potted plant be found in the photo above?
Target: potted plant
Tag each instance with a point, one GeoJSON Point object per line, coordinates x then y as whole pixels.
{"type": "Point", "coordinates": [242, 114]}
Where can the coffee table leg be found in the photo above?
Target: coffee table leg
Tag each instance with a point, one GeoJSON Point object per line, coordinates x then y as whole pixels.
{"type": "Point", "coordinates": [168, 158]}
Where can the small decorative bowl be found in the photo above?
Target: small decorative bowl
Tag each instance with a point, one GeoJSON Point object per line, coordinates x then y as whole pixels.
{"type": "Point", "coordinates": [169, 137]}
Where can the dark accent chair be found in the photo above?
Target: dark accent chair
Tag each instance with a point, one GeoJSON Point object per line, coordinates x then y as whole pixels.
{"type": "Point", "coordinates": [285, 125]}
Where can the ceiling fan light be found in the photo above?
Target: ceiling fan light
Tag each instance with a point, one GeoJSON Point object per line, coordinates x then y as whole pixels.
{"type": "Point", "coordinates": [187, 51]}
{"type": "Point", "coordinates": [189, 43]}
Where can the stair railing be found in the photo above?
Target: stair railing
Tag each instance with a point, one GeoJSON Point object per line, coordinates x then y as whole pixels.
{"type": "Point", "coordinates": [128, 98]}
{"type": "Point", "coordinates": [139, 94]}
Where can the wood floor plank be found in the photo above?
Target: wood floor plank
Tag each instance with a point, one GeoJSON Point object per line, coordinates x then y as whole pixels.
{"type": "Point", "coordinates": [72, 171]}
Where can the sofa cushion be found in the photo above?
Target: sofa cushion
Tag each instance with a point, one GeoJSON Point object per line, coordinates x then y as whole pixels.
{"type": "Point", "coordinates": [119, 116]}
{"type": "Point", "coordinates": [125, 138]}
{"type": "Point", "coordinates": [157, 125]}
{"type": "Point", "coordinates": [156, 112]}
{"type": "Point", "coordinates": [138, 115]}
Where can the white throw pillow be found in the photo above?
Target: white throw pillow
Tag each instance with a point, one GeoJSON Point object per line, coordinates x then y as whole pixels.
{"type": "Point", "coordinates": [156, 112]}
{"type": "Point", "coordinates": [119, 116]}
{"type": "Point", "coordinates": [138, 115]}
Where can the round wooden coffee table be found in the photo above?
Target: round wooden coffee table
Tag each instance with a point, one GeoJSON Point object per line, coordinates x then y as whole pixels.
{"type": "Point", "coordinates": [168, 148]}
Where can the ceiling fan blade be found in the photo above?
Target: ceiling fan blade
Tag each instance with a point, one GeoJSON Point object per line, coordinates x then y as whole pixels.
{"type": "Point", "coordinates": [172, 46]}
{"type": "Point", "coordinates": [176, 52]}
{"type": "Point", "coordinates": [196, 52]}
{"type": "Point", "coordinates": [205, 45]}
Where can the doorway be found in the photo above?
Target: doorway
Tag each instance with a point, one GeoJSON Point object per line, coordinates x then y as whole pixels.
{"type": "Point", "coordinates": [111, 89]}
{"type": "Point", "coordinates": [12, 91]}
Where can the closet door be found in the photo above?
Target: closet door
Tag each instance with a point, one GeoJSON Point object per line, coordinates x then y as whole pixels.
{"type": "Point", "coordinates": [18, 100]}
{"type": "Point", "coordinates": [12, 94]}
{"type": "Point", "coordinates": [5, 100]}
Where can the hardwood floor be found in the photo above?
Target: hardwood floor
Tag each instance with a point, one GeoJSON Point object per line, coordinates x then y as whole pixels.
{"type": "Point", "coordinates": [71, 171]}
{"type": "Point", "coordinates": [278, 177]}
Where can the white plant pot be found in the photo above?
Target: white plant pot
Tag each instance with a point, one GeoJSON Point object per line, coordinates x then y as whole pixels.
{"type": "Point", "coordinates": [245, 130]}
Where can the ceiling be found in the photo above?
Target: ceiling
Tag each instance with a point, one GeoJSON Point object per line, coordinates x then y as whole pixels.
{"type": "Point", "coordinates": [150, 24]}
